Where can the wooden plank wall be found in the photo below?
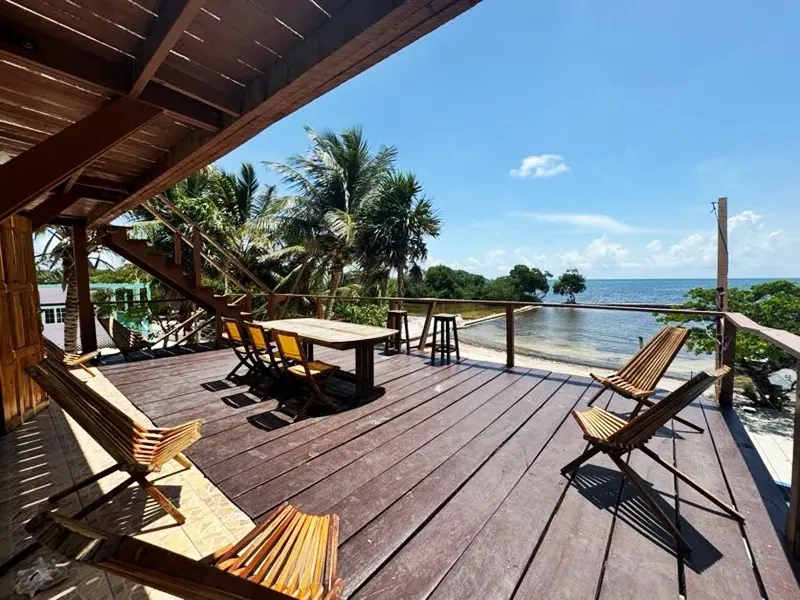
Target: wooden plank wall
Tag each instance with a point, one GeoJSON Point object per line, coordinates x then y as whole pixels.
{"type": "Point", "coordinates": [20, 323]}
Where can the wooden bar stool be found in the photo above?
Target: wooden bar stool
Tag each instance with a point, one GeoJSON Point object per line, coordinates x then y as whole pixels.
{"type": "Point", "coordinates": [442, 322]}
{"type": "Point", "coordinates": [397, 319]}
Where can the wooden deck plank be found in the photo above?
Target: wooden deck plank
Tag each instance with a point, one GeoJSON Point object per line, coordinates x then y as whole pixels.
{"type": "Point", "coordinates": [281, 480]}
{"type": "Point", "coordinates": [718, 560]}
{"type": "Point", "coordinates": [225, 462]}
{"type": "Point", "coordinates": [320, 497]}
{"type": "Point", "coordinates": [423, 561]}
{"type": "Point", "coordinates": [497, 558]}
{"type": "Point", "coordinates": [765, 511]}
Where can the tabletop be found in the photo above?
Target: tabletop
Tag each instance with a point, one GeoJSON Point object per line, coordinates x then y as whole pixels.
{"type": "Point", "coordinates": [334, 334]}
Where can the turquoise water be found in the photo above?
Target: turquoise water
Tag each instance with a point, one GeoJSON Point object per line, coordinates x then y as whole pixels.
{"type": "Point", "coordinates": [594, 337]}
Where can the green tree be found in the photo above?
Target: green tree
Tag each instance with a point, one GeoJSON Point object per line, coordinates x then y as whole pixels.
{"type": "Point", "coordinates": [333, 182]}
{"type": "Point", "coordinates": [500, 288]}
{"type": "Point", "coordinates": [446, 283]}
{"type": "Point", "coordinates": [393, 229]}
{"type": "Point", "coordinates": [529, 284]}
{"type": "Point", "coordinates": [774, 304]}
{"type": "Point", "coordinates": [570, 284]}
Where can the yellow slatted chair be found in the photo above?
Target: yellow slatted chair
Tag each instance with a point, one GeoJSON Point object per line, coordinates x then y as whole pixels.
{"type": "Point", "coordinates": [263, 350]}
{"type": "Point", "coordinates": [616, 437]}
{"type": "Point", "coordinates": [290, 555]}
{"type": "Point", "coordinates": [314, 372]}
{"type": "Point", "coordinates": [638, 378]}
{"type": "Point", "coordinates": [70, 359]}
{"type": "Point", "coordinates": [241, 345]}
{"type": "Point", "coordinates": [137, 450]}
{"type": "Point", "coordinates": [126, 340]}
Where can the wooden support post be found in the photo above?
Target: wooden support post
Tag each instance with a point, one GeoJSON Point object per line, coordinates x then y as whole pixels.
{"type": "Point", "coordinates": [793, 518]}
{"type": "Point", "coordinates": [178, 247]}
{"type": "Point", "coordinates": [57, 158]}
{"type": "Point", "coordinates": [722, 281]}
{"type": "Point", "coordinates": [728, 356]}
{"type": "Point", "coordinates": [320, 307]}
{"type": "Point", "coordinates": [423, 338]}
{"type": "Point", "coordinates": [85, 311]}
{"type": "Point", "coordinates": [509, 336]}
{"type": "Point", "coordinates": [218, 331]}
{"type": "Point", "coordinates": [197, 256]}
{"type": "Point", "coordinates": [271, 300]}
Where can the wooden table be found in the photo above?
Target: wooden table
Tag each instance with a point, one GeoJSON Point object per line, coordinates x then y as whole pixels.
{"type": "Point", "coordinates": [341, 336]}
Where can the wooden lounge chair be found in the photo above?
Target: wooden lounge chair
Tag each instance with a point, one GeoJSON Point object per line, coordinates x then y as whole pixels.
{"type": "Point", "coordinates": [137, 450]}
{"type": "Point", "coordinates": [55, 352]}
{"type": "Point", "coordinates": [126, 340]}
{"type": "Point", "coordinates": [637, 380]}
{"type": "Point", "coordinates": [289, 555]}
{"type": "Point", "coordinates": [242, 347]}
{"type": "Point", "coordinates": [263, 350]}
{"type": "Point", "coordinates": [315, 372]}
{"type": "Point", "coordinates": [616, 437]}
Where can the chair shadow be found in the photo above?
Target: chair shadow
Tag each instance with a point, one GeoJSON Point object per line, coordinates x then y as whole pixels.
{"type": "Point", "coordinates": [268, 421]}
{"type": "Point", "coordinates": [600, 485]}
{"type": "Point", "coordinates": [241, 400]}
{"type": "Point", "coordinates": [218, 385]}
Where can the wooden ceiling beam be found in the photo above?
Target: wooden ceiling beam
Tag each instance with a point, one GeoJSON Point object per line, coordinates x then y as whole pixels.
{"type": "Point", "coordinates": [54, 160]}
{"type": "Point", "coordinates": [52, 207]}
{"type": "Point", "coordinates": [40, 51]}
{"type": "Point", "coordinates": [358, 35]}
{"type": "Point", "coordinates": [174, 16]}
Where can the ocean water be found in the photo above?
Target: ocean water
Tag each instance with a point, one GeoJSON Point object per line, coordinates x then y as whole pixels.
{"type": "Point", "coordinates": [599, 338]}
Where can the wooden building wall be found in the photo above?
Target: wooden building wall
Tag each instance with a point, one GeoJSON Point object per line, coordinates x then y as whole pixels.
{"type": "Point", "coordinates": [20, 323]}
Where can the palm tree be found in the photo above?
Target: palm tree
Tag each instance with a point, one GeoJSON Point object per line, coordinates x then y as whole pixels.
{"type": "Point", "coordinates": [333, 183]}
{"type": "Point", "coordinates": [58, 253]}
{"type": "Point", "coordinates": [395, 225]}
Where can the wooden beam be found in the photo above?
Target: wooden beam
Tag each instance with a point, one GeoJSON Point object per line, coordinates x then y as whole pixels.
{"type": "Point", "coordinates": [174, 16]}
{"type": "Point", "coordinates": [509, 336]}
{"type": "Point", "coordinates": [85, 310]}
{"type": "Point", "coordinates": [793, 516]}
{"type": "Point", "coordinates": [54, 160]}
{"type": "Point", "coordinates": [722, 287]}
{"type": "Point", "coordinates": [44, 213]}
{"type": "Point", "coordinates": [728, 359]}
{"type": "Point", "coordinates": [42, 52]}
{"type": "Point", "coordinates": [358, 35]}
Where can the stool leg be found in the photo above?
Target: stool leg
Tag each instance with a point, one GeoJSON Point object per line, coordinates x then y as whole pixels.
{"type": "Point", "coordinates": [388, 326]}
{"type": "Point", "coordinates": [433, 344]}
{"type": "Point", "coordinates": [447, 328]}
{"type": "Point", "coordinates": [408, 337]}
{"type": "Point", "coordinates": [455, 335]}
{"type": "Point", "coordinates": [441, 342]}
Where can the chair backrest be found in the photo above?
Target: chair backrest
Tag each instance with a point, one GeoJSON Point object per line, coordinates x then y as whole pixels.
{"type": "Point", "coordinates": [258, 336]}
{"type": "Point", "coordinates": [648, 365]}
{"type": "Point", "coordinates": [645, 425]}
{"type": "Point", "coordinates": [143, 563]}
{"type": "Point", "coordinates": [53, 350]}
{"type": "Point", "coordinates": [115, 431]}
{"type": "Point", "coordinates": [233, 330]}
{"type": "Point", "coordinates": [289, 345]}
{"type": "Point", "coordinates": [123, 338]}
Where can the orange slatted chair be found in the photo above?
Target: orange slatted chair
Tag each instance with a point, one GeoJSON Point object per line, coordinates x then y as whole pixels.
{"type": "Point", "coordinates": [616, 437]}
{"type": "Point", "coordinates": [263, 350]}
{"type": "Point", "coordinates": [55, 352]}
{"type": "Point", "coordinates": [241, 345]}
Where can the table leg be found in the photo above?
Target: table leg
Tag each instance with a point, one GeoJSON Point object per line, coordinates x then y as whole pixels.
{"type": "Point", "coordinates": [308, 348]}
{"type": "Point", "coordinates": [365, 369]}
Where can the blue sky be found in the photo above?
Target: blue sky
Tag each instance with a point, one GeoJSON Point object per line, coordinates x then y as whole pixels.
{"type": "Point", "coordinates": [590, 134]}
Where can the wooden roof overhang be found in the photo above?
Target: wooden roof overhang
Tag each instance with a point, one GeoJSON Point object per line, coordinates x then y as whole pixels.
{"type": "Point", "coordinates": [104, 103]}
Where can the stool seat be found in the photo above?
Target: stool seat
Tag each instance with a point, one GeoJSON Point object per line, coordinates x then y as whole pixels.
{"type": "Point", "coordinates": [445, 323]}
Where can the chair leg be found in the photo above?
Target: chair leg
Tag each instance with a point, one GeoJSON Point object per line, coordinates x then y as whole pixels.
{"type": "Point", "coordinates": [686, 479]}
{"type": "Point", "coordinates": [83, 483]}
{"type": "Point", "coordinates": [160, 498]}
{"type": "Point", "coordinates": [580, 460]}
{"type": "Point", "coordinates": [183, 461]}
{"type": "Point", "coordinates": [637, 484]}
{"type": "Point", "coordinates": [597, 395]}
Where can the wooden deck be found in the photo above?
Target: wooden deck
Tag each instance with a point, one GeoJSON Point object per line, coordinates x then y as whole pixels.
{"type": "Point", "coordinates": [448, 486]}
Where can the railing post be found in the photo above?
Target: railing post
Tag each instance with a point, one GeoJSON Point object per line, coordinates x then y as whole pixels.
{"type": "Point", "coordinates": [320, 307]}
{"type": "Point", "coordinates": [197, 255]}
{"type": "Point", "coordinates": [727, 358]}
{"type": "Point", "coordinates": [423, 338]}
{"type": "Point", "coordinates": [178, 247]}
{"type": "Point", "coordinates": [271, 306]}
{"type": "Point", "coordinates": [793, 521]}
{"type": "Point", "coordinates": [218, 330]}
{"type": "Point", "coordinates": [509, 336]}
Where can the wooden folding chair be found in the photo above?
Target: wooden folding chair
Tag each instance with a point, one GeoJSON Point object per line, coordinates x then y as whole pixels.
{"type": "Point", "coordinates": [55, 352]}
{"type": "Point", "coordinates": [314, 372]}
{"type": "Point", "coordinates": [616, 437]}
{"type": "Point", "coordinates": [241, 347]}
{"type": "Point", "coordinates": [263, 350]}
{"type": "Point", "coordinates": [289, 555]}
{"type": "Point", "coordinates": [638, 378]}
{"type": "Point", "coordinates": [126, 340]}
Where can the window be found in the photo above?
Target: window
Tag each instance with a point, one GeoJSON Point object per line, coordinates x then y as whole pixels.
{"type": "Point", "coordinates": [49, 316]}
{"type": "Point", "coordinates": [60, 314]}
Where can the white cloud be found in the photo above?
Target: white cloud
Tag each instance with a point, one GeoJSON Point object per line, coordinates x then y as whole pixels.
{"type": "Point", "coordinates": [586, 221]}
{"type": "Point", "coordinates": [600, 254]}
{"type": "Point", "coordinates": [542, 165]}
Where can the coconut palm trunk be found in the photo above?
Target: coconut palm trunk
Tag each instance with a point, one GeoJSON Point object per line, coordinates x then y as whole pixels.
{"type": "Point", "coordinates": [71, 309]}
{"type": "Point", "coordinates": [336, 278]}
{"type": "Point", "coordinates": [401, 278]}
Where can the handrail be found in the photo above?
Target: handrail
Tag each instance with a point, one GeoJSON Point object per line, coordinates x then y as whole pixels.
{"type": "Point", "coordinates": [255, 279]}
{"type": "Point", "coordinates": [785, 340]}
